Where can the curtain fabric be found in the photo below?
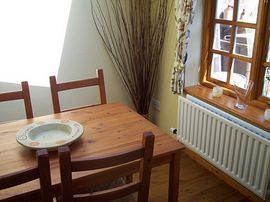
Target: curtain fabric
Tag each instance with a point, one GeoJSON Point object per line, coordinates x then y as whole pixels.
{"type": "Point", "coordinates": [184, 13]}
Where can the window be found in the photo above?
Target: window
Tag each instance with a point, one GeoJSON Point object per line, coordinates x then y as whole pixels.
{"type": "Point", "coordinates": [32, 36]}
{"type": "Point", "coordinates": [236, 46]}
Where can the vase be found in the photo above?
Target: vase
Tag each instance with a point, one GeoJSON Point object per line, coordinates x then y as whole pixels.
{"type": "Point", "coordinates": [242, 93]}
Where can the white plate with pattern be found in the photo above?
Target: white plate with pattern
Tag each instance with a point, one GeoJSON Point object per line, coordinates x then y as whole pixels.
{"type": "Point", "coordinates": [49, 134]}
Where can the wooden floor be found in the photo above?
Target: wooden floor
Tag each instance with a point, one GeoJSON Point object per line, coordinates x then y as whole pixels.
{"type": "Point", "coordinates": [196, 184]}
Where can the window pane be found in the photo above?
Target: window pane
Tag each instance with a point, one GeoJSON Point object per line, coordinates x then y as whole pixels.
{"type": "Point", "coordinates": [240, 72]}
{"type": "Point", "coordinates": [244, 41]}
{"type": "Point", "coordinates": [247, 11]}
{"type": "Point", "coordinates": [219, 67]}
{"type": "Point", "coordinates": [268, 53]}
{"type": "Point", "coordinates": [222, 37]}
{"type": "Point", "coordinates": [266, 86]}
{"type": "Point", "coordinates": [224, 9]}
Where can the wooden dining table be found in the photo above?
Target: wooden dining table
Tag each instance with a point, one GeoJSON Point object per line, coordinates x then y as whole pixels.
{"type": "Point", "coordinates": [108, 129]}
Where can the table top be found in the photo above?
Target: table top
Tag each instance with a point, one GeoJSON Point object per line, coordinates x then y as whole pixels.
{"type": "Point", "coordinates": [108, 129]}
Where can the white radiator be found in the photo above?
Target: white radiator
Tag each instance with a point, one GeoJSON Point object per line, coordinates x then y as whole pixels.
{"type": "Point", "coordinates": [237, 148]}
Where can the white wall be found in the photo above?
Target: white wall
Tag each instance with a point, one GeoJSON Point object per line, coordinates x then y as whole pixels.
{"type": "Point", "coordinates": [83, 52]}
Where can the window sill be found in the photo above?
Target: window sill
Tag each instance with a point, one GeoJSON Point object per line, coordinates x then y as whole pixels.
{"type": "Point", "coordinates": [251, 114]}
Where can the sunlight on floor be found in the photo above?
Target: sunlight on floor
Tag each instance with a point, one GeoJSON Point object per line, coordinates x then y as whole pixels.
{"type": "Point", "coordinates": [32, 34]}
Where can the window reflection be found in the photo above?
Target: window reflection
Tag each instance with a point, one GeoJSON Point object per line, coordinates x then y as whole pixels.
{"type": "Point", "coordinates": [240, 72]}
{"type": "Point", "coordinates": [248, 11]}
{"type": "Point", "coordinates": [219, 67]}
{"type": "Point", "coordinates": [222, 37]}
{"type": "Point", "coordinates": [244, 41]}
{"type": "Point", "coordinates": [266, 86]}
{"type": "Point", "coordinates": [224, 9]}
{"type": "Point", "coordinates": [268, 53]}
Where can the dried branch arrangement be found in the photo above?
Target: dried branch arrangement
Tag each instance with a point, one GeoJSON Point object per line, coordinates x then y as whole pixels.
{"type": "Point", "coordinates": [133, 32]}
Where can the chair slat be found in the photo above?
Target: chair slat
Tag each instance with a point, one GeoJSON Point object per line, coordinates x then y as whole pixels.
{"type": "Point", "coordinates": [16, 95]}
{"type": "Point", "coordinates": [108, 161]}
{"type": "Point", "coordinates": [77, 84]}
{"type": "Point", "coordinates": [19, 177]}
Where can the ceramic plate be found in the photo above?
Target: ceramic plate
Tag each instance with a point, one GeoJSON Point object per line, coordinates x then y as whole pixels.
{"type": "Point", "coordinates": [49, 134]}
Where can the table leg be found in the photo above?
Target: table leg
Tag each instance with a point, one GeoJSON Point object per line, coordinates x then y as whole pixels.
{"type": "Point", "coordinates": [174, 177]}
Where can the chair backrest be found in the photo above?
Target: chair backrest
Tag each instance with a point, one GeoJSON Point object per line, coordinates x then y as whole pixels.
{"type": "Point", "coordinates": [144, 153]}
{"type": "Point", "coordinates": [41, 172]}
{"type": "Point", "coordinates": [17, 95]}
{"type": "Point", "coordinates": [57, 87]}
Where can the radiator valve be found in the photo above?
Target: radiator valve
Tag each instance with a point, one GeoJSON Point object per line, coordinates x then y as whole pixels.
{"type": "Point", "coordinates": [173, 130]}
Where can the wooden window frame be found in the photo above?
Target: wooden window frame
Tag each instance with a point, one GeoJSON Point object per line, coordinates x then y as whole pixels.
{"type": "Point", "coordinates": [260, 47]}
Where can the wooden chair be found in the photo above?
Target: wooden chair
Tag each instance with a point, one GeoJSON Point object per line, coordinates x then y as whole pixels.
{"type": "Point", "coordinates": [123, 160]}
{"type": "Point", "coordinates": [41, 172]}
{"type": "Point", "coordinates": [17, 95]}
{"type": "Point", "coordinates": [57, 87]}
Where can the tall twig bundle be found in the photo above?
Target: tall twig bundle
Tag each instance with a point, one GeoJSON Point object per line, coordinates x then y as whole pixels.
{"type": "Point", "coordinates": [133, 32]}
